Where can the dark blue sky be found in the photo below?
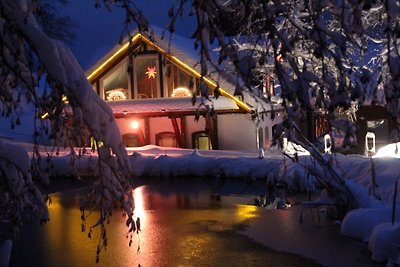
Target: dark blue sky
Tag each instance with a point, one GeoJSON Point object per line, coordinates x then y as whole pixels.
{"type": "Point", "coordinates": [99, 30]}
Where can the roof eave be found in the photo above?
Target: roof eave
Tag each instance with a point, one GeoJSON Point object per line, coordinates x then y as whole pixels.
{"type": "Point", "coordinates": [174, 113]}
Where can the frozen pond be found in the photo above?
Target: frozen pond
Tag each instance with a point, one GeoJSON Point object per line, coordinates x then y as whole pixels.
{"type": "Point", "coordinates": [182, 224]}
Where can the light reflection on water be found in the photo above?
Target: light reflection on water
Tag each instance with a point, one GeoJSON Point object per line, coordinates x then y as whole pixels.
{"type": "Point", "coordinates": [244, 212]}
{"type": "Point", "coordinates": [169, 222]}
{"type": "Point", "coordinates": [181, 224]}
{"type": "Point", "coordinates": [139, 205]}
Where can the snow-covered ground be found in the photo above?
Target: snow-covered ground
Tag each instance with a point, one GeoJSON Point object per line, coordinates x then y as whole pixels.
{"type": "Point", "coordinates": [371, 180]}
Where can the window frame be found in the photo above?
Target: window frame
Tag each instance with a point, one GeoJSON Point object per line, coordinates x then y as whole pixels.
{"type": "Point", "coordinates": [165, 78]}
{"type": "Point", "coordinates": [135, 76]}
{"type": "Point", "coordinates": [111, 71]}
{"type": "Point", "coordinates": [159, 135]}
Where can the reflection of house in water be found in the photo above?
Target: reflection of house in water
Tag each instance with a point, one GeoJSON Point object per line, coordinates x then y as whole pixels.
{"type": "Point", "coordinates": [149, 86]}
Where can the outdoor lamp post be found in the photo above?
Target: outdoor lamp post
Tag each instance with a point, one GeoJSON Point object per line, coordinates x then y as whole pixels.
{"type": "Point", "coordinates": [328, 144]}
{"type": "Point", "coordinates": [370, 143]}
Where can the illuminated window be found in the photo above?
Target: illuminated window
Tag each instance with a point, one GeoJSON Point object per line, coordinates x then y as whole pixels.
{"type": "Point", "coordinates": [147, 81]}
{"type": "Point", "coordinates": [268, 86]}
{"type": "Point", "coordinates": [130, 140]}
{"type": "Point", "coordinates": [321, 126]}
{"type": "Point", "coordinates": [201, 140]}
{"type": "Point", "coordinates": [176, 78]}
{"type": "Point", "coordinates": [115, 85]}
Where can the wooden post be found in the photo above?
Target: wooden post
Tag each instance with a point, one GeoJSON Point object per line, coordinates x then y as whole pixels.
{"type": "Point", "coordinates": [140, 134]}
{"type": "Point", "coordinates": [177, 132]}
{"type": "Point", "coordinates": [183, 132]}
{"type": "Point", "coordinates": [147, 130]}
{"type": "Point", "coordinates": [212, 131]}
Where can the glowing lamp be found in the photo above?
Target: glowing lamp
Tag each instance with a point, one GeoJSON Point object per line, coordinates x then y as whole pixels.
{"type": "Point", "coordinates": [45, 116]}
{"type": "Point", "coordinates": [279, 58]}
{"type": "Point", "coordinates": [64, 99]}
{"type": "Point", "coordinates": [116, 94]}
{"type": "Point", "coordinates": [134, 124]}
{"type": "Point", "coordinates": [151, 72]}
{"type": "Point", "coordinates": [181, 92]}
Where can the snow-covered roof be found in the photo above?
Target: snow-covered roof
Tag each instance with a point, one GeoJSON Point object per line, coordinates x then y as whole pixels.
{"type": "Point", "coordinates": [166, 106]}
{"type": "Point", "coordinates": [178, 49]}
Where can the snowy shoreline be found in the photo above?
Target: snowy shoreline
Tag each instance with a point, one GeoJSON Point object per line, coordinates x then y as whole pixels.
{"type": "Point", "coordinates": [370, 180]}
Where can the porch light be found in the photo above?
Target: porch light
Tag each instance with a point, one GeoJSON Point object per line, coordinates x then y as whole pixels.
{"type": "Point", "coordinates": [370, 143]}
{"type": "Point", "coordinates": [134, 124]}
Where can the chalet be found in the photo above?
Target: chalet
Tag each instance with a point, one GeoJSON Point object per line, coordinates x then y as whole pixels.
{"type": "Point", "coordinates": [150, 84]}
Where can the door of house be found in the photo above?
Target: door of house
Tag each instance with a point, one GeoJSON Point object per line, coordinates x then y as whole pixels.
{"type": "Point", "coordinates": [166, 139]}
{"type": "Point", "coordinates": [130, 140]}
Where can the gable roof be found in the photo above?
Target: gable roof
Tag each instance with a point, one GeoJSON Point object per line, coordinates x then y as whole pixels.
{"type": "Point", "coordinates": [173, 54]}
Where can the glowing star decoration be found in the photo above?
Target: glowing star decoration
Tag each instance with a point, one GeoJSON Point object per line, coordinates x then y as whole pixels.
{"type": "Point", "coordinates": [151, 72]}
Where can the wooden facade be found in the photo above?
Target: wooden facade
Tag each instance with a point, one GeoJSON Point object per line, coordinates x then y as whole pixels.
{"type": "Point", "coordinates": [143, 82]}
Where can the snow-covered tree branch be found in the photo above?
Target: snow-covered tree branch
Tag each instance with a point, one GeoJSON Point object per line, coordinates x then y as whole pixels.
{"type": "Point", "coordinates": [28, 55]}
{"type": "Point", "coordinates": [317, 52]}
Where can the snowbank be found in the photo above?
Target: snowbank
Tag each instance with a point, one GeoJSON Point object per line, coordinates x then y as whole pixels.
{"type": "Point", "coordinates": [360, 223]}
{"type": "Point", "coordinates": [385, 242]}
{"type": "Point", "coordinates": [371, 181]}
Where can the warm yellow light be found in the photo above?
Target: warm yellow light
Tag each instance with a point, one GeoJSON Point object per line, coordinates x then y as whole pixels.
{"type": "Point", "coordinates": [244, 212]}
{"type": "Point", "coordinates": [139, 37]}
{"type": "Point", "coordinates": [120, 51]}
{"type": "Point", "coordinates": [196, 74]}
{"type": "Point", "coordinates": [181, 92]}
{"type": "Point", "coordinates": [134, 125]}
{"type": "Point", "coordinates": [64, 99]}
{"type": "Point", "coordinates": [45, 116]}
{"type": "Point", "coordinates": [94, 144]}
{"type": "Point", "coordinates": [138, 195]}
{"type": "Point", "coordinates": [116, 94]}
{"type": "Point", "coordinates": [151, 72]}
{"type": "Point", "coordinates": [100, 143]}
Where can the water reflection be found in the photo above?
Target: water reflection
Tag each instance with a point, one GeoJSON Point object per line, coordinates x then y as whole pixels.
{"type": "Point", "coordinates": [244, 212]}
{"type": "Point", "coordinates": [139, 205]}
{"type": "Point", "coordinates": [181, 224]}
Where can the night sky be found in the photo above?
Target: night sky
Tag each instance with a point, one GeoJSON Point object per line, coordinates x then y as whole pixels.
{"type": "Point", "coordinates": [99, 30]}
